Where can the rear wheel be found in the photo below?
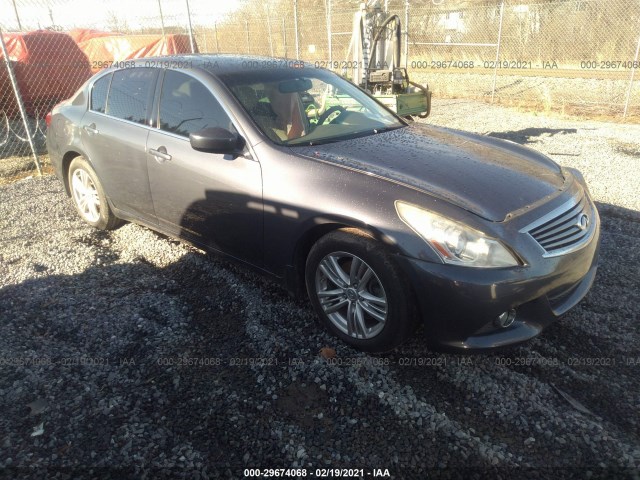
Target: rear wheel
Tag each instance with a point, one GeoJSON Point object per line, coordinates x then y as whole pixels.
{"type": "Point", "coordinates": [359, 292]}
{"type": "Point", "coordinates": [88, 196]}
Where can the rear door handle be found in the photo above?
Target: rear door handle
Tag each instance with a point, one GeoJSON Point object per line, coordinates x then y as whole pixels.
{"type": "Point", "coordinates": [91, 129]}
{"type": "Point", "coordinates": [160, 154]}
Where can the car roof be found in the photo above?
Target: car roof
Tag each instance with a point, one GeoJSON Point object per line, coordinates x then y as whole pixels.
{"type": "Point", "coordinates": [220, 63]}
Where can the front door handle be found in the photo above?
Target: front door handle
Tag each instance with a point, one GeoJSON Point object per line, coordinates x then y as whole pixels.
{"type": "Point", "coordinates": [160, 154]}
{"type": "Point", "coordinates": [91, 129]}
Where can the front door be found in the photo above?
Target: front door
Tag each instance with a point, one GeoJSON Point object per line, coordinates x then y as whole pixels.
{"type": "Point", "coordinates": [211, 199]}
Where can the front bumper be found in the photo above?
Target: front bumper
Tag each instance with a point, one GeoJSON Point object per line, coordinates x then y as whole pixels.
{"type": "Point", "coordinates": [459, 304]}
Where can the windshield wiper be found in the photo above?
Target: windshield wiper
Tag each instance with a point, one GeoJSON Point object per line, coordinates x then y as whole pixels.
{"type": "Point", "coordinates": [339, 138]}
{"type": "Point", "coordinates": [386, 129]}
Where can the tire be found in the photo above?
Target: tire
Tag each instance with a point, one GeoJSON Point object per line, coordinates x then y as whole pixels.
{"type": "Point", "coordinates": [88, 196]}
{"type": "Point", "coordinates": [373, 311]}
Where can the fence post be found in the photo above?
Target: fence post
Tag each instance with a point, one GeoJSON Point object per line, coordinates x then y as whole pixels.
{"type": "Point", "coordinates": [16, 92]}
{"type": "Point", "coordinates": [246, 29]}
{"type": "Point", "coordinates": [161, 16]}
{"type": "Point", "coordinates": [215, 29]}
{"type": "Point", "coordinates": [327, 7]}
{"type": "Point", "coordinates": [406, 34]}
{"type": "Point", "coordinates": [633, 71]}
{"type": "Point", "coordinates": [193, 50]}
{"type": "Point", "coordinates": [15, 9]}
{"type": "Point", "coordinates": [284, 38]}
{"type": "Point", "coordinates": [295, 22]}
{"type": "Point", "coordinates": [495, 70]}
{"type": "Point", "coordinates": [269, 26]}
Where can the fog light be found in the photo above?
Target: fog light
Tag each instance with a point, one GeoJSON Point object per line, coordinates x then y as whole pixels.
{"type": "Point", "coordinates": [505, 319]}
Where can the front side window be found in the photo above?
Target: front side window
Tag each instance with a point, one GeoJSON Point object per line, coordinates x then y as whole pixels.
{"type": "Point", "coordinates": [131, 94]}
{"type": "Point", "coordinates": [308, 107]}
{"type": "Point", "coordinates": [99, 93]}
{"type": "Point", "coordinates": [187, 106]}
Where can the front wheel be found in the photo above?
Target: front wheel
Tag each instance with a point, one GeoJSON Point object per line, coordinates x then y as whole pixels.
{"type": "Point", "coordinates": [359, 292]}
{"type": "Point", "coordinates": [88, 196]}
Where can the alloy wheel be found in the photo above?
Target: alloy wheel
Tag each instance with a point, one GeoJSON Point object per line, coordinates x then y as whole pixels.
{"type": "Point", "coordinates": [85, 194]}
{"type": "Point", "coordinates": [351, 295]}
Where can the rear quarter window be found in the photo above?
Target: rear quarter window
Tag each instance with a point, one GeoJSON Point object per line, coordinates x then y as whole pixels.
{"type": "Point", "coordinates": [99, 93]}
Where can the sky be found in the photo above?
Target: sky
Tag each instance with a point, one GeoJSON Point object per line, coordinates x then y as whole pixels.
{"type": "Point", "coordinates": [97, 13]}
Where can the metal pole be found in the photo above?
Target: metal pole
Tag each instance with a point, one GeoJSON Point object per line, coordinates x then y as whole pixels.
{"type": "Point", "coordinates": [633, 71]}
{"type": "Point", "coordinates": [269, 26]}
{"type": "Point", "coordinates": [246, 29]}
{"type": "Point", "coordinates": [193, 50]}
{"type": "Point", "coordinates": [284, 37]}
{"type": "Point", "coordinates": [295, 25]}
{"type": "Point", "coordinates": [406, 34]}
{"type": "Point", "coordinates": [162, 16]}
{"type": "Point", "coordinates": [15, 9]}
{"type": "Point", "coordinates": [495, 70]}
{"type": "Point", "coordinates": [327, 7]}
{"type": "Point", "coordinates": [23, 112]}
{"type": "Point", "coordinates": [215, 28]}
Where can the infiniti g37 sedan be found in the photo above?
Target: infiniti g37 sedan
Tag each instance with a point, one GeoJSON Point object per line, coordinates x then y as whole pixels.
{"type": "Point", "coordinates": [298, 173]}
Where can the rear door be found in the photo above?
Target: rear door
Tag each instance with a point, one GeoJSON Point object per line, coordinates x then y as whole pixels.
{"type": "Point", "coordinates": [114, 135]}
{"type": "Point", "coordinates": [212, 199]}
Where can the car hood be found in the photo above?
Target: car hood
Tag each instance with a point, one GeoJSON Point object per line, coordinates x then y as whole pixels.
{"type": "Point", "coordinates": [486, 176]}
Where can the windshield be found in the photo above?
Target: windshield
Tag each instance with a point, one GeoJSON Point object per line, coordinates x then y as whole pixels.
{"type": "Point", "coordinates": [308, 106]}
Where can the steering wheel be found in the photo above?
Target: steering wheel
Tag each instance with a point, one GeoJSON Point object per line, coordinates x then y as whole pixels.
{"type": "Point", "coordinates": [329, 111]}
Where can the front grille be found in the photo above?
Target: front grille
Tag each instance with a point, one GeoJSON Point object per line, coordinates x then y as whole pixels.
{"type": "Point", "coordinates": [566, 228]}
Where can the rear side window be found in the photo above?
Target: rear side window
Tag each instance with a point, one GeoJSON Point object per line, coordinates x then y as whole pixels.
{"type": "Point", "coordinates": [99, 93]}
{"type": "Point", "coordinates": [131, 94]}
{"type": "Point", "coordinates": [187, 106]}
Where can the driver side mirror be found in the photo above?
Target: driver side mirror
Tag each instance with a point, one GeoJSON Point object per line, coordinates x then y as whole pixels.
{"type": "Point", "coordinates": [216, 140]}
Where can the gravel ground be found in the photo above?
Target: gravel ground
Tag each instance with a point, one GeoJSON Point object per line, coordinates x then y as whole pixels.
{"type": "Point", "coordinates": [128, 354]}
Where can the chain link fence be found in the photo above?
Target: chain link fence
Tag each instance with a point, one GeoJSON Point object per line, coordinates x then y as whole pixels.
{"type": "Point", "coordinates": [572, 56]}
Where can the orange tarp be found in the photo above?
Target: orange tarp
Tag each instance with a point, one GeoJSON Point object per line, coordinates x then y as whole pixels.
{"type": "Point", "coordinates": [82, 34]}
{"type": "Point", "coordinates": [49, 67]}
{"type": "Point", "coordinates": [103, 51]}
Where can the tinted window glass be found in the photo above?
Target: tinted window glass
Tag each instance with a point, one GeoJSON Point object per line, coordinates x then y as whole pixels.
{"type": "Point", "coordinates": [99, 94]}
{"type": "Point", "coordinates": [187, 106]}
{"type": "Point", "coordinates": [131, 94]}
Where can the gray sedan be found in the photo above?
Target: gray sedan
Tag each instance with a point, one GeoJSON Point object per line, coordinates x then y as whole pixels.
{"type": "Point", "coordinates": [297, 173]}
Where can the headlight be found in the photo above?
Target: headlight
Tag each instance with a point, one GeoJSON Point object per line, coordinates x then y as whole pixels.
{"type": "Point", "coordinates": [454, 242]}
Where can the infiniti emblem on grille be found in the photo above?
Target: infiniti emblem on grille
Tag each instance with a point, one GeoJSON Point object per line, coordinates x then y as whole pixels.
{"type": "Point", "coordinates": [583, 221]}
